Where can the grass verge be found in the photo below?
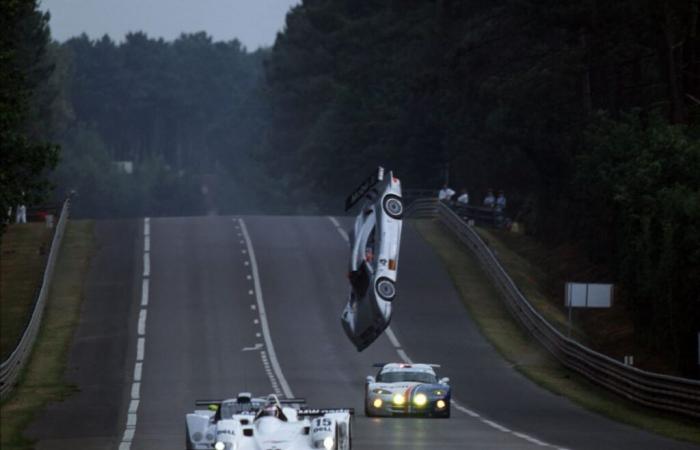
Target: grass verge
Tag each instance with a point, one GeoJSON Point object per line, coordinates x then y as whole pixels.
{"type": "Point", "coordinates": [43, 378]}
{"type": "Point", "coordinates": [23, 252]}
{"type": "Point", "coordinates": [491, 316]}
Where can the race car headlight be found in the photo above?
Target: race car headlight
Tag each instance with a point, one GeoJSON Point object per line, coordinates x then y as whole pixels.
{"type": "Point", "coordinates": [377, 403]}
{"type": "Point", "coordinates": [219, 445]}
{"type": "Point", "coordinates": [328, 443]}
{"type": "Point", "coordinates": [398, 399]}
{"type": "Point", "coordinates": [420, 400]}
{"type": "Point", "coordinates": [440, 404]}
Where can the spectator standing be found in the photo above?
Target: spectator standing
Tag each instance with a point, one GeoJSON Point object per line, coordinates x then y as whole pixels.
{"type": "Point", "coordinates": [489, 200]}
{"type": "Point", "coordinates": [445, 194]}
{"type": "Point", "coordinates": [501, 201]}
{"type": "Point", "coordinates": [21, 215]}
{"type": "Point", "coordinates": [463, 198]}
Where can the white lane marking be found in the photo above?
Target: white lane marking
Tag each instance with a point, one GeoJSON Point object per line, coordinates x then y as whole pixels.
{"type": "Point", "coordinates": [135, 390]}
{"type": "Point", "coordinates": [258, 335]}
{"type": "Point", "coordinates": [140, 349]}
{"type": "Point", "coordinates": [128, 435]}
{"type": "Point", "coordinates": [132, 416]}
{"type": "Point", "coordinates": [256, 321]}
{"type": "Point", "coordinates": [257, 346]}
{"type": "Point", "coordinates": [244, 251]}
{"type": "Point", "coordinates": [144, 292]}
{"type": "Point", "coordinates": [250, 292]}
{"type": "Point", "coordinates": [530, 439]}
{"type": "Point", "coordinates": [138, 368]}
{"type": "Point", "coordinates": [341, 231]}
{"type": "Point", "coordinates": [263, 316]}
{"type": "Point", "coordinates": [392, 337]}
{"type": "Point", "coordinates": [142, 322]}
{"type": "Point", "coordinates": [246, 263]}
{"type": "Point", "coordinates": [465, 410]}
{"type": "Point", "coordinates": [404, 356]}
{"type": "Point", "coordinates": [253, 307]}
{"type": "Point", "coordinates": [248, 277]}
{"type": "Point", "coordinates": [270, 373]}
{"type": "Point", "coordinates": [146, 264]}
{"type": "Point", "coordinates": [496, 425]}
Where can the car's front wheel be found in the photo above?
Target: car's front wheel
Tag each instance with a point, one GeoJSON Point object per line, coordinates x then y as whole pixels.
{"type": "Point", "coordinates": [386, 289]}
{"type": "Point", "coordinates": [393, 206]}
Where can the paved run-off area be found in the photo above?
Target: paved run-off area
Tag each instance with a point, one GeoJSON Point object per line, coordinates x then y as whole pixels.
{"type": "Point", "coordinates": [253, 303]}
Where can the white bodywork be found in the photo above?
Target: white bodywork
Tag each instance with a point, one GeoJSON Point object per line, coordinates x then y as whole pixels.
{"type": "Point", "coordinates": [401, 389]}
{"type": "Point", "coordinates": [292, 428]}
{"type": "Point", "coordinates": [374, 257]}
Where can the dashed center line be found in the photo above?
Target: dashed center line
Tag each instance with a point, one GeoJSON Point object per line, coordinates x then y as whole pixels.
{"type": "Point", "coordinates": [268, 356]}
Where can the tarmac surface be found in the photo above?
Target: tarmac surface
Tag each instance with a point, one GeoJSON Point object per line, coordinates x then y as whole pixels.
{"type": "Point", "coordinates": [222, 289]}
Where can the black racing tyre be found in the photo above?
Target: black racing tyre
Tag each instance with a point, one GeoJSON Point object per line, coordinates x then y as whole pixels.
{"type": "Point", "coordinates": [393, 206]}
{"type": "Point", "coordinates": [386, 289]}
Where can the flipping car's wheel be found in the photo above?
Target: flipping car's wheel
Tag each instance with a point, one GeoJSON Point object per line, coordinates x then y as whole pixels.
{"type": "Point", "coordinates": [386, 289]}
{"type": "Point", "coordinates": [393, 206]}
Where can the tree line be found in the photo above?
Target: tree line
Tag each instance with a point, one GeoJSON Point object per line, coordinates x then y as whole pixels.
{"type": "Point", "coordinates": [584, 112]}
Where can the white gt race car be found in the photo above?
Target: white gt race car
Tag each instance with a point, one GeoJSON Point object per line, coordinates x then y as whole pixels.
{"type": "Point", "coordinates": [407, 390]}
{"type": "Point", "coordinates": [374, 258]}
{"type": "Point", "coordinates": [248, 423]}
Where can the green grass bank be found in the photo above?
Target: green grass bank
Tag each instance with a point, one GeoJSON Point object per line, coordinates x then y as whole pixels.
{"type": "Point", "coordinates": [43, 379]}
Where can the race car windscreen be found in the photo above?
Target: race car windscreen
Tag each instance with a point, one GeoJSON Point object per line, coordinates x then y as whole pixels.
{"type": "Point", "coordinates": [229, 409]}
{"type": "Point", "coordinates": [418, 377]}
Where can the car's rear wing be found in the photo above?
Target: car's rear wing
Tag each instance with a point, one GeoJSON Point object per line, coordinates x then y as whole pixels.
{"type": "Point", "coordinates": [283, 401]}
{"type": "Point", "coordinates": [312, 412]}
{"type": "Point", "coordinates": [380, 365]}
{"type": "Point", "coordinates": [363, 188]}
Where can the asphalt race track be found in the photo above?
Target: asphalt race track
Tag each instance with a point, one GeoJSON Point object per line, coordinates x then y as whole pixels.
{"type": "Point", "coordinates": [179, 309]}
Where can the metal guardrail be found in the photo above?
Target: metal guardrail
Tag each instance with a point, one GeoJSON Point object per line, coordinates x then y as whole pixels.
{"type": "Point", "coordinates": [663, 392]}
{"type": "Point", "coordinates": [11, 368]}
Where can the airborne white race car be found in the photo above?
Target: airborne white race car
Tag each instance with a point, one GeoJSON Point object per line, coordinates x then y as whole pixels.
{"type": "Point", "coordinates": [374, 258]}
{"type": "Point", "coordinates": [407, 390]}
{"type": "Point", "coordinates": [249, 423]}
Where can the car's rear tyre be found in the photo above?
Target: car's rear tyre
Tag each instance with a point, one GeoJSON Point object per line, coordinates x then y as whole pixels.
{"type": "Point", "coordinates": [386, 289]}
{"type": "Point", "coordinates": [393, 206]}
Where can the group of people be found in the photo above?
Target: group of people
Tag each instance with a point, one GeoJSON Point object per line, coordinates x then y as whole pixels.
{"type": "Point", "coordinates": [20, 214]}
{"type": "Point", "coordinates": [498, 203]}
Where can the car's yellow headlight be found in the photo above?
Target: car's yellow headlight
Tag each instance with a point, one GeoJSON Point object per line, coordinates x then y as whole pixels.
{"type": "Point", "coordinates": [399, 399]}
{"type": "Point", "coordinates": [377, 403]}
{"type": "Point", "coordinates": [420, 400]}
{"type": "Point", "coordinates": [328, 443]}
{"type": "Point", "coordinates": [440, 404]}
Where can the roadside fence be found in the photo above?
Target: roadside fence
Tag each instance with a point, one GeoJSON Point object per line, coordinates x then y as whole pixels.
{"type": "Point", "coordinates": [11, 368]}
{"type": "Point", "coordinates": [663, 392]}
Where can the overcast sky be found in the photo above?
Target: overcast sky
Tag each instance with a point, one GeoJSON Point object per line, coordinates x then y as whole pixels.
{"type": "Point", "coordinates": [254, 22]}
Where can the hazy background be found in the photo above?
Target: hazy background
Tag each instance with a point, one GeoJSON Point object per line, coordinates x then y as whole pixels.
{"type": "Point", "coordinates": [253, 22]}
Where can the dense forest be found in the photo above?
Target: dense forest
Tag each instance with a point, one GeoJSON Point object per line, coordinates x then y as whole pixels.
{"type": "Point", "coordinates": [586, 113]}
{"type": "Point", "coordinates": [162, 128]}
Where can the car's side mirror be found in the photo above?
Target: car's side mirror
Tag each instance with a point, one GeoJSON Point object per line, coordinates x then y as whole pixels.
{"type": "Point", "coordinates": [445, 380]}
{"type": "Point", "coordinates": [369, 379]}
